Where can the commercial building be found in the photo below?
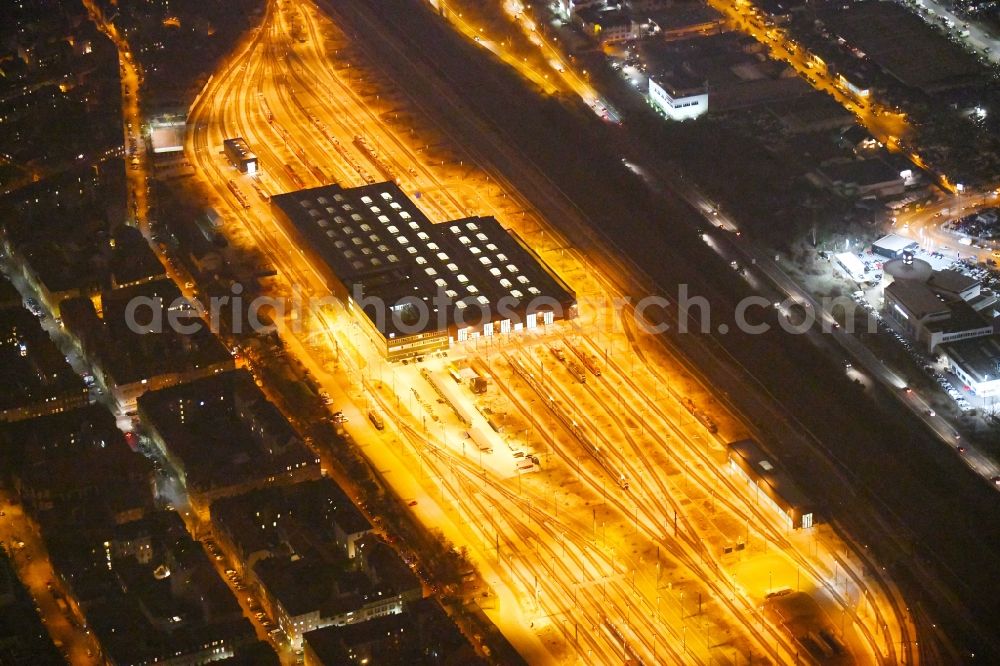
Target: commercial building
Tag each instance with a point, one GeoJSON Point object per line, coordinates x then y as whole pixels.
{"type": "Point", "coordinates": [570, 7]}
{"type": "Point", "coordinates": [953, 285]}
{"type": "Point", "coordinates": [678, 97]}
{"type": "Point", "coordinates": [240, 155]}
{"type": "Point", "coordinates": [608, 25]}
{"type": "Point", "coordinates": [977, 363]}
{"type": "Point", "coordinates": [872, 177]}
{"type": "Point", "coordinates": [668, 20]}
{"type": "Point", "coordinates": [964, 323]}
{"type": "Point", "coordinates": [945, 307]}
{"type": "Point", "coordinates": [721, 68]}
{"type": "Point", "coordinates": [813, 112]}
{"type": "Point", "coordinates": [779, 11]}
{"type": "Point", "coordinates": [165, 143]}
{"type": "Point", "coordinates": [900, 44]}
{"type": "Point", "coordinates": [772, 486]}
{"type": "Point", "coordinates": [913, 304]}
{"type": "Point", "coordinates": [893, 246]}
{"type": "Point", "coordinates": [858, 87]}
{"type": "Point", "coordinates": [416, 286]}
{"type": "Point", "coordinates": [166, 137]}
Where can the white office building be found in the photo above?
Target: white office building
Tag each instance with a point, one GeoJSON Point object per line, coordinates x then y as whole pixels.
{"type": "Point", "coordinates": [977, 363]}
{"type": "Point", "coordinates": [678, 102]}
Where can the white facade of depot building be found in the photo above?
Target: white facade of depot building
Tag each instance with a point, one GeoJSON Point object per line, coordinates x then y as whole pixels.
{"type": "Point", "coordinates": [977, 363]}
{"type": "Point", "coordinates": [678, 104]}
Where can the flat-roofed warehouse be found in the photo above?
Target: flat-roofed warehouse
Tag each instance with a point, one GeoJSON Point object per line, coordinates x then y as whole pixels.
{"type": "Point", "coordinates": [779, 491]}
{"type": "Point", "coordinates": [977, 363]}
{"type": "Point", "coordinates": [893, 246]}
{"type": "Point", "coordinates": [240, 155]}
{"type": "Point", "coordinates": [166, 137]}
{"type": "Point", "coordinates": [902, 44]}
{"type": "Point", "coordinates": [421, 285]}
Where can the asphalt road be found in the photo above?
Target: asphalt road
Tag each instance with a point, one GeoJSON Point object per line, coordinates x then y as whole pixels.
{"type": "Point", "coordinates": [877, 471]}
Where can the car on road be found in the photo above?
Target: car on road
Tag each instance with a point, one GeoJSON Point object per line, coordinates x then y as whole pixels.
{"type": "Point", "coordinates": [33, 307]}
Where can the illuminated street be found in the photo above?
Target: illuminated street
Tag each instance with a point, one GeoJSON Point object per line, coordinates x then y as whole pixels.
{"type": "Point", "coordinates": [138, 166]}
{"type": "Point", "coordinates": [924, 225]}
{"type": "Point", "coordinates": [20, 538]}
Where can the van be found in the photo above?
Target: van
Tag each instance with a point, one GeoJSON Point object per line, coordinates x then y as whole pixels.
{"type": "Point", "coordinates": [376, 420]}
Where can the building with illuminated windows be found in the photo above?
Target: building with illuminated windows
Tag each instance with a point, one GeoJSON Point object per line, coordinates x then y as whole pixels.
{"type": "Point", "coordinates": [36, 377]}
{"type": "Point", "coordinates": [418, 286]}
{"type": "Point", "coordinates": [945, 306]}
{"type": "Point", "coordinates": [240, 155]}
{"type": "Point", "coordinates": [977, 363]}
{"type": "Point", "coordinates": [678, 96]}
{"type": "Point", "coordinates": [223, 437]}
